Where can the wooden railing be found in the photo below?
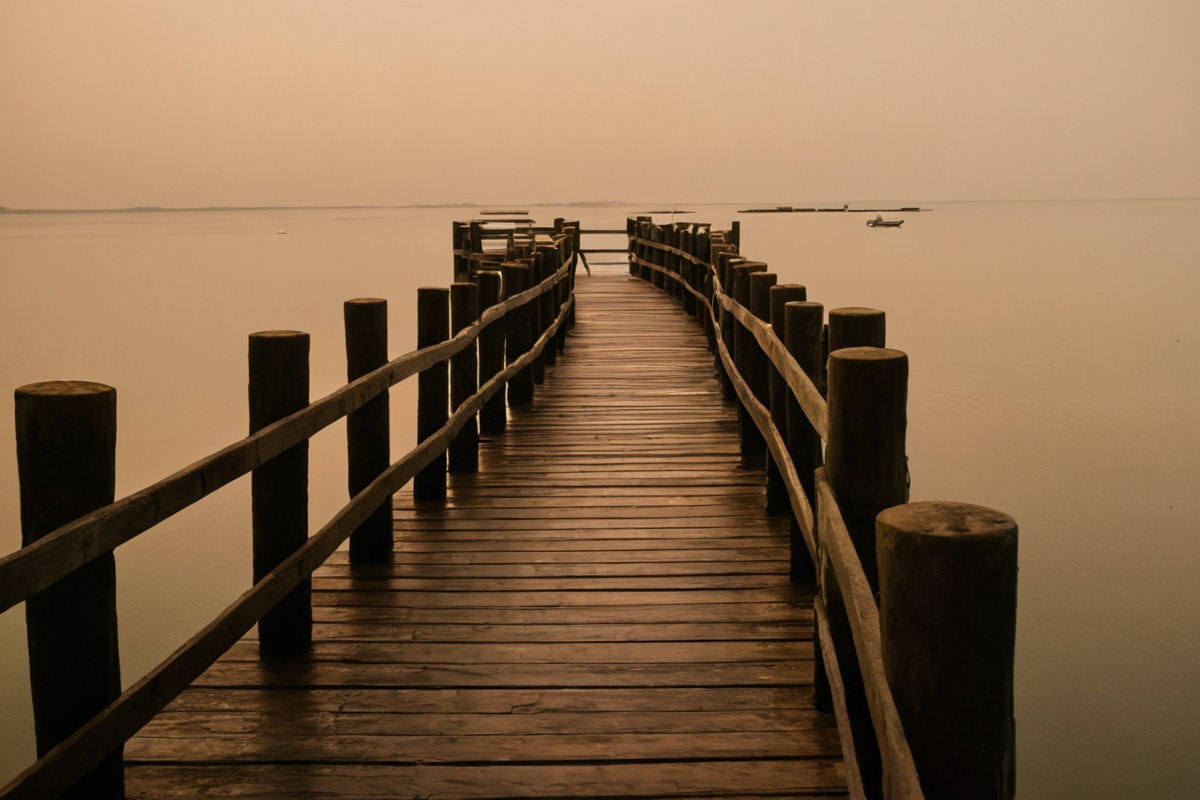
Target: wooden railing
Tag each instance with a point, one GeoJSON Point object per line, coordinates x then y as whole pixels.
{"type": "Point", "coordinates": [66, 435]}
{"type": "Point", "coordinates": [486, 243]}
{"type": "Point", "coordinates": [915, 602]}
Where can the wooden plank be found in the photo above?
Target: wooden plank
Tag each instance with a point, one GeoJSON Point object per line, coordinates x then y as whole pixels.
{"type": "Point", "coordinates": [769, 777]}
{"type": "Point", "coordinates": [523, 703]}
{"type": "Point", "coordinates": [454, 747]}
{"type": "Point", "coordinates": [647, 613]}
{"type": "Point", "coordinates": [278, 721]}
{"type": "Point", "coordinates": [359, 631]}
{"type": "Point", "coordinates": [797, 674]}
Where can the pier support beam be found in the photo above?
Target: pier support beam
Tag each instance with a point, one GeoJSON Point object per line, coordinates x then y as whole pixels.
{"type": "Point", "coordinates": [518, 332]}
{"type": "Point", "coordinates": [66, 463]}
{"type": "Point", "coordinates": [493, 416]}
{"type": "Point", "coordinates": [279, 488]}
{"type": "Point", "coordinates": [464, 377]}
{"type": "Point", "coordinates": [368, 429]}
{"type": "Point", "coordinates": [947, 618]}
{"type": "Point", "coordinates": [433, 388]}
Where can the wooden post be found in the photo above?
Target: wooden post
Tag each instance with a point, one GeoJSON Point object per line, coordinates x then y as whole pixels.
{"type": "Point", "coordinates": [761, 370]}
{"type": "Point", "coordinates": [464, 380]}
{"type": "Point", "coordinates": [279, 488]}
{"type": "Point", "coordinates": [631, 230]}
{"type": "Point", "coordinates": [569, 291]}
{"type": "Point", "coordinates": [493, 415]}
{"type": "Point", "coordinates": [537, 272]}
{"type": "Point", "coordinates": [947, 618]}
{"type": "Point", "coordinates": [520, 387]}
{"type": "Point", "coordinates": [754, 448]}
{"type": "Point", "coordinates": [802, 327]}
{"type": "Point", "coordinates": [462, 241]}
{"type": "Point", "coordinates": [779, 394]}
{"type": "Point", "coordinates": [727, 261]}
{"type": "Point", "coordinates": [66, 464]}
{"type": "Point", "coordinates": [433, 390]}
{"type": "Point", "coordinates": [659, 257]}
{"type": "Point", "coordinates": [368, 428]}
{"type": "Point", "coordinates": [866, 468]}
{"type": "Point", "coordinates": [687, 269]}
{"type": "Point", "coordinates": [802, 323]}
{"type": "Point", "coordinates": [553, 256]}
{"type": "Point", "coordinates": [865, 460]}
{"type": "Point", "coordinates": [856, 327]}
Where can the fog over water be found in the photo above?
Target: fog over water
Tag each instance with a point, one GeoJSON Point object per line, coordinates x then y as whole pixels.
{"type": "Point", "coordinates": [1055, 353]}
{"type": "Point", "coordinates": [1055, 372]}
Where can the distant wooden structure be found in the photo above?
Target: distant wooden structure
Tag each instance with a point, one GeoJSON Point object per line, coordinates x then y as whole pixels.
{"type": "Point", "coordinates": [619, 586]}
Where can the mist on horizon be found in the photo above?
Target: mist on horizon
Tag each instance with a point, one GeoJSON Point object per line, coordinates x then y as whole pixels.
{"type": "Point", "coordinates": [268, 103]}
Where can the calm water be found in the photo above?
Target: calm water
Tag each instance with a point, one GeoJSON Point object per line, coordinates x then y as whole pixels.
{"type": "Point", "coordinates": [1055, 362]}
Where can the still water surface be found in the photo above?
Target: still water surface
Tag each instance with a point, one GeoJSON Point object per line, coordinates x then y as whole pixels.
{"type": "Point", "coordinates": [1055, 375]}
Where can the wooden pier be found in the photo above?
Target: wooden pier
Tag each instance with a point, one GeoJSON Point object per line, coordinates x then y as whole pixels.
{"type": "Point", "coordinates": [595, 576]}
{"type": "Point", "coordinates": [602, 610]}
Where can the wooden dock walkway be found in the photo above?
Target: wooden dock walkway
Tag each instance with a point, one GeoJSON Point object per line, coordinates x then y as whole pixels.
{"type": "Point", "coordinates": [602, 610]}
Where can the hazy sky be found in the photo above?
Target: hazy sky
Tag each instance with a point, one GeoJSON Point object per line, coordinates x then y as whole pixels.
{"type": "Point", "coordinates": [297, 102]}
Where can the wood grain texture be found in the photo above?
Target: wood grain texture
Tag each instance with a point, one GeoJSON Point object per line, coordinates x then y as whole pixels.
{"type": "Point", "coordinates": [601, 611]}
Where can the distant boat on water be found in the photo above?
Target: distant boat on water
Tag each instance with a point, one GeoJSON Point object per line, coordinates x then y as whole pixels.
{"type": "Point", "coordinates": [880, 222]}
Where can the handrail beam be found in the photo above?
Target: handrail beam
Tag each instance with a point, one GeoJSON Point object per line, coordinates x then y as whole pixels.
{"type": "Point", "coordinates": [40, 565]}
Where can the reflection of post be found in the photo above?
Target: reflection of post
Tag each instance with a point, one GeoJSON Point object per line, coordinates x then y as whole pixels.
{"type": "Point", "coordinates": [279, 488]}
{"type": "Point", "coordinates": [433, 390]}
{"type": "Point", "coordinates": [367, 429]}
{"type": "Point", "coordinates": [947, 617]}
{"type": "Point", "coordinates": [66, 463]}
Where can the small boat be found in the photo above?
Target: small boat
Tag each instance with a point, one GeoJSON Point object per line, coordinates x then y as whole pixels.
{"type": "Point", "coordinates": [880, 222]}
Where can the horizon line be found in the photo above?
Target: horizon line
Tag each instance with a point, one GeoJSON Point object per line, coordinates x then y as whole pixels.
{"type": "Point", "coordinates": [543, 204]}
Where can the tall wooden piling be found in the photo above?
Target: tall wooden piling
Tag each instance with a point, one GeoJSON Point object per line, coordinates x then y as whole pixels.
{"type": "Point", "coordinates": [802, 337]}
{"type": "Point", "coordinates": [865, 457]}
{"type": "Point", "coordinates": [279, 488]}
{"type": "Point", "coordinates": [493, 415]}
{"type": "Point", "coordinates": [778, 394]}
{"type": "Point", "coordinates": [947, 616]}
{"type": "Point", "coordinates": [534, 309]}
{"type": "Point", "coordinates": [66, 462]}
{"type": "Point", "coordinates": [552, 256]}
{"type": "Point", "coordinates": [856, 327]}
{"type": "Point", "coordinates": [517, 332]}
{"type": "Point", "coordinates": [754, 449]}
{"type": "Point", "coordinates": [464, 380]}
{"type": "Point", "coordinates": [433, 390]}
{"type": "Point", "coordinates": [866, 467]}
{"type": "Point", "coordinates": [368, 428]}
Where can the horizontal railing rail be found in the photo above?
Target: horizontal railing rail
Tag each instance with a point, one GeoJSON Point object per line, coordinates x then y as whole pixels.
{"type": "Point", "coordinates": [703, 269]}
{"type": "Point", "coordinates": [33, 568]}
{"type": "Point", "coordinates": [41, 565]}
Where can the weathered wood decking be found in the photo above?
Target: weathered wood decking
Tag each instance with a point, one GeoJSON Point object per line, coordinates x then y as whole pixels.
{"type": "Point", "coordinates": [601, 611]}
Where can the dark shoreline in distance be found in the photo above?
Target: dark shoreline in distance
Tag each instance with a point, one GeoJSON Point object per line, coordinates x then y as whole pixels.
{"type": "Point", "coordinates": [174, 210]}
{"type": "Point", "coordinates": [822, 210]}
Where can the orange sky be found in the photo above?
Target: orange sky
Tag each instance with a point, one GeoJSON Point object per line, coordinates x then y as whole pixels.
{"type": "Point", "coordinates": [295, 102]}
